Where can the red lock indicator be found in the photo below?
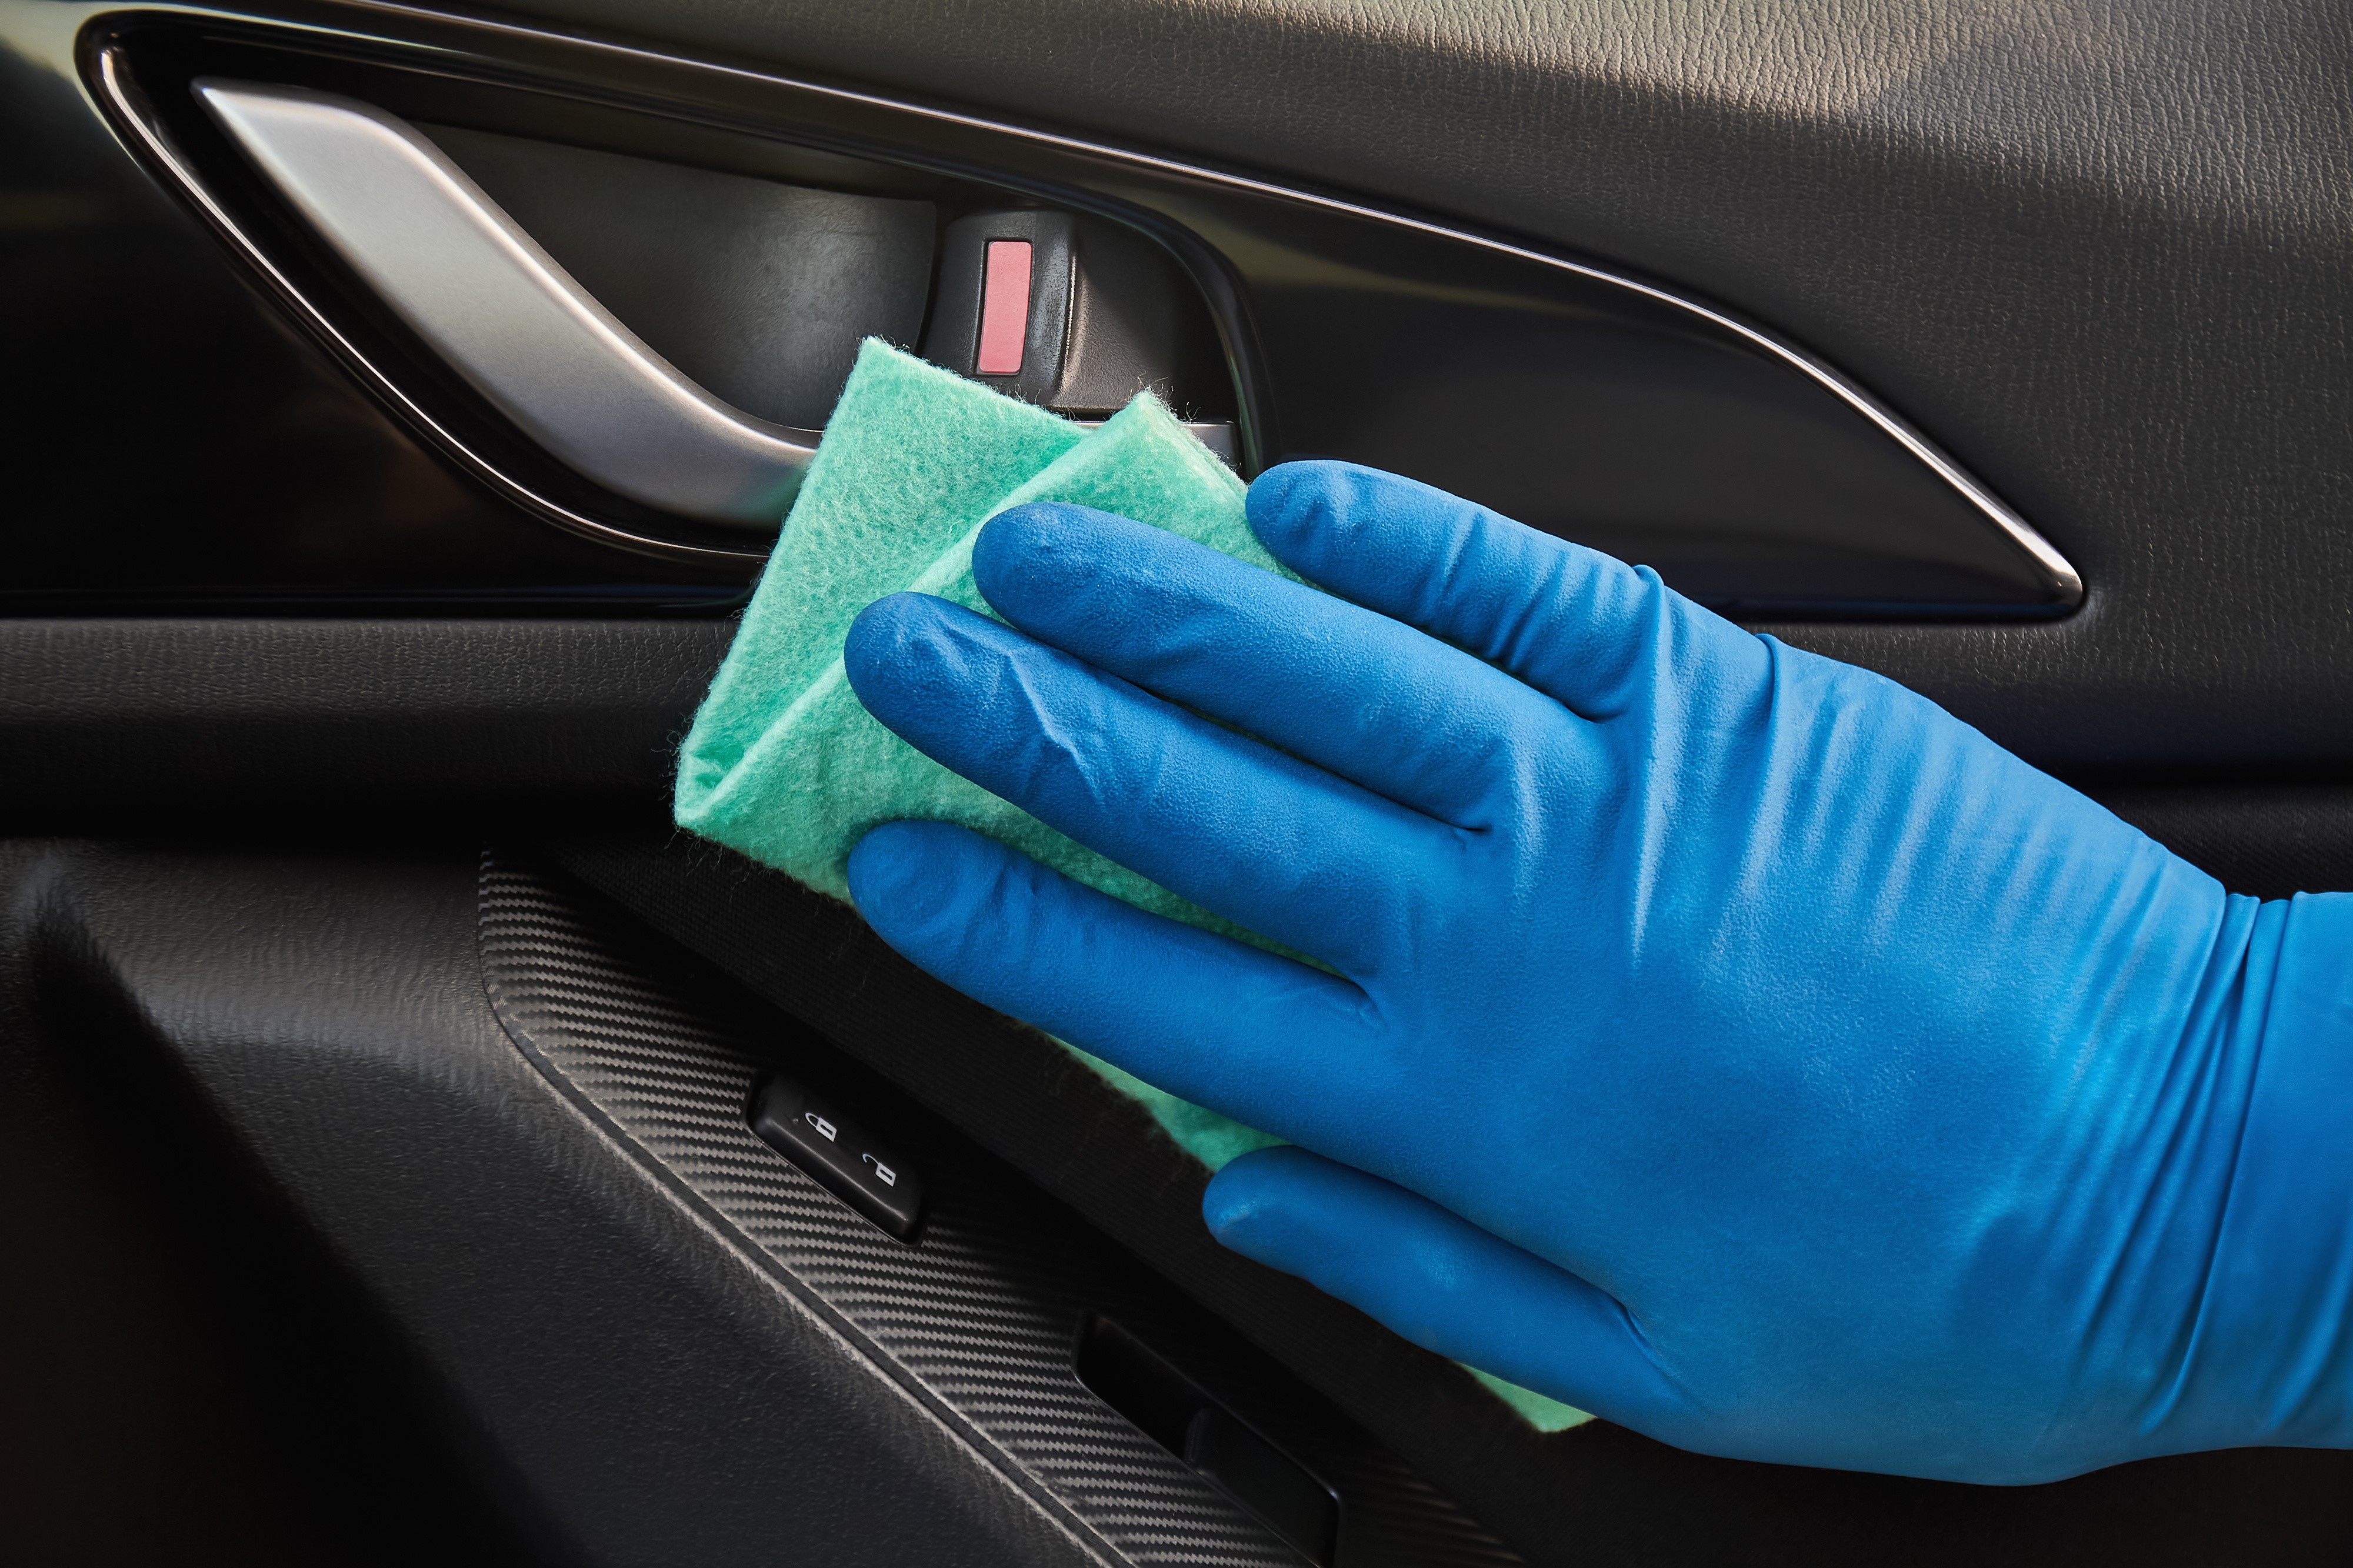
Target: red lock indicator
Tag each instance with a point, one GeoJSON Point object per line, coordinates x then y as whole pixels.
{"type": "Point", "coordinates": [1004, 307]}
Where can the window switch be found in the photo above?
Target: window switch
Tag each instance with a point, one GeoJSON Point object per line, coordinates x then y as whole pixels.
{"type": "Point", "coordinates": [1172, 1410]}
{"type": "Point", "coordinates": [838, 1153]}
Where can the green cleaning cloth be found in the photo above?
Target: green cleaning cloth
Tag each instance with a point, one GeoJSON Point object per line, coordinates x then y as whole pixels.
{"type": "Point", "coordinates": [785, 765]}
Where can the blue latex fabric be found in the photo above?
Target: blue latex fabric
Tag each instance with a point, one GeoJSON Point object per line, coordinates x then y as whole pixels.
{"type": "Point", "coordinates": [1714, 1037]}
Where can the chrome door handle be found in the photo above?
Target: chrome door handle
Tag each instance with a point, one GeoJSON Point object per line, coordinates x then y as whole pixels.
{"type": "Point", "coordinates": [505, 314]}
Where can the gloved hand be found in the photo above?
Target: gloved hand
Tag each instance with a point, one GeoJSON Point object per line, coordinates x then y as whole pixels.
{"type": "Point", "coordinates": [1720, 1038]}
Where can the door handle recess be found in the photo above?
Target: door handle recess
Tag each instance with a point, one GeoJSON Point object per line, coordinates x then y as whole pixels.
{"type": "Point", "coordinates": [505, 314]}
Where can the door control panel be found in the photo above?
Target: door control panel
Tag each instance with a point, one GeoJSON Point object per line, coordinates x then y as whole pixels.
{"type": "Point", "coordinates": [812, 1132]}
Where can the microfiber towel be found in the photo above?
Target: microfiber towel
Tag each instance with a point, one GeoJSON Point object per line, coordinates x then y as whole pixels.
{"type": "Point", "coordinates": [783, 763]}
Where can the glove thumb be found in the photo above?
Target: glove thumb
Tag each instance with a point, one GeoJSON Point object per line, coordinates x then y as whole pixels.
{"type": "Point", "coordinates": [1441, 1281]}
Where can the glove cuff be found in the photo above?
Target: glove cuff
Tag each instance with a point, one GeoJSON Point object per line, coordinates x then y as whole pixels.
{"type": "Point", "coordinates": [2271, 1357]}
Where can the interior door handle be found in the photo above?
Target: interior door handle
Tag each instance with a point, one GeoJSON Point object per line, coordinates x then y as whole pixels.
{"type": "Point", "coordinates": [505, 314]}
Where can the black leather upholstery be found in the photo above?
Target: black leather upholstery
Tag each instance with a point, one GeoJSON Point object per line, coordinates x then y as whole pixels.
{"type": "Point", "coordinates": [658, 1401]}
{"type": "Point", "coordinates": [292, 715]}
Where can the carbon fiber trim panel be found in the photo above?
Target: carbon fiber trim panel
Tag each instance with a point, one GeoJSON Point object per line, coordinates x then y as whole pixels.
{"type": "Point", "coordinates": [980, 1318]}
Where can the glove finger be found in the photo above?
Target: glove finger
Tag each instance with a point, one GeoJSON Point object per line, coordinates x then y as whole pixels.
{"type": "Point", "coordinates": [1286, 849]}
{"type": "Point", "coordinates": [1587, 630]}
{"type": "Point", "coordinates": [1372, 699]}
{"type": "Point", "coordinates": [1242, 1031]}
{"type": "Point", "coordinates": [1439, 1280]}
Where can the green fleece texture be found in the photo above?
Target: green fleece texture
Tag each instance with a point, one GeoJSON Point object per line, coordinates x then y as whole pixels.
{"type": "Point", "coordinates": [785, 764]}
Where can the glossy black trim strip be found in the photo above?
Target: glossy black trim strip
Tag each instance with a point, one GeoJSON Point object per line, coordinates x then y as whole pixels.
{"type": "Point", "coordinates": [2062, 586]}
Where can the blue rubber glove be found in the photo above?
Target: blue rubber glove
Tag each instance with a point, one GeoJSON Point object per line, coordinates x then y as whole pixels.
{"type": "Point", "coordinates": [1720, 1038]}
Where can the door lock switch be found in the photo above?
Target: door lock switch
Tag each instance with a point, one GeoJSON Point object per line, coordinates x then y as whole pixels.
{"type": "Point", "coordinates": [838, 1154]}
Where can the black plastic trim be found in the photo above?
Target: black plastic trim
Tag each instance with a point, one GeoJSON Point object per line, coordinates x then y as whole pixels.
{"type": "Point", "coordinates": [1684, 397]}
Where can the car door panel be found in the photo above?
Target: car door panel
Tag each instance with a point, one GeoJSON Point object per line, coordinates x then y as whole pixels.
{"type": "Point", "coordinates": [2096, 252]}
{"type": "Point", "coordinates": [297, 621]}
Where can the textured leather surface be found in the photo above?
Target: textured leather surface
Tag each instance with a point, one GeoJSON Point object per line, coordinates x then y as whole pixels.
{"type": "Point", "coordinates": [277, 712]}
{"type": "Point", "coordinates": [2271, 843]}
{"type": "Point", "coordinates": [186, 1377]}
{"type": "Point", "coordinates": [2098, 248]}
{"type": "Point", "coordinates": [659, 1399]}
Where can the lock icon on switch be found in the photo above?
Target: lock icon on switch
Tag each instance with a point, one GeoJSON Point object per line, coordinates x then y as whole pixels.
{"type": "Point", "coordinates": [833, 1150]}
